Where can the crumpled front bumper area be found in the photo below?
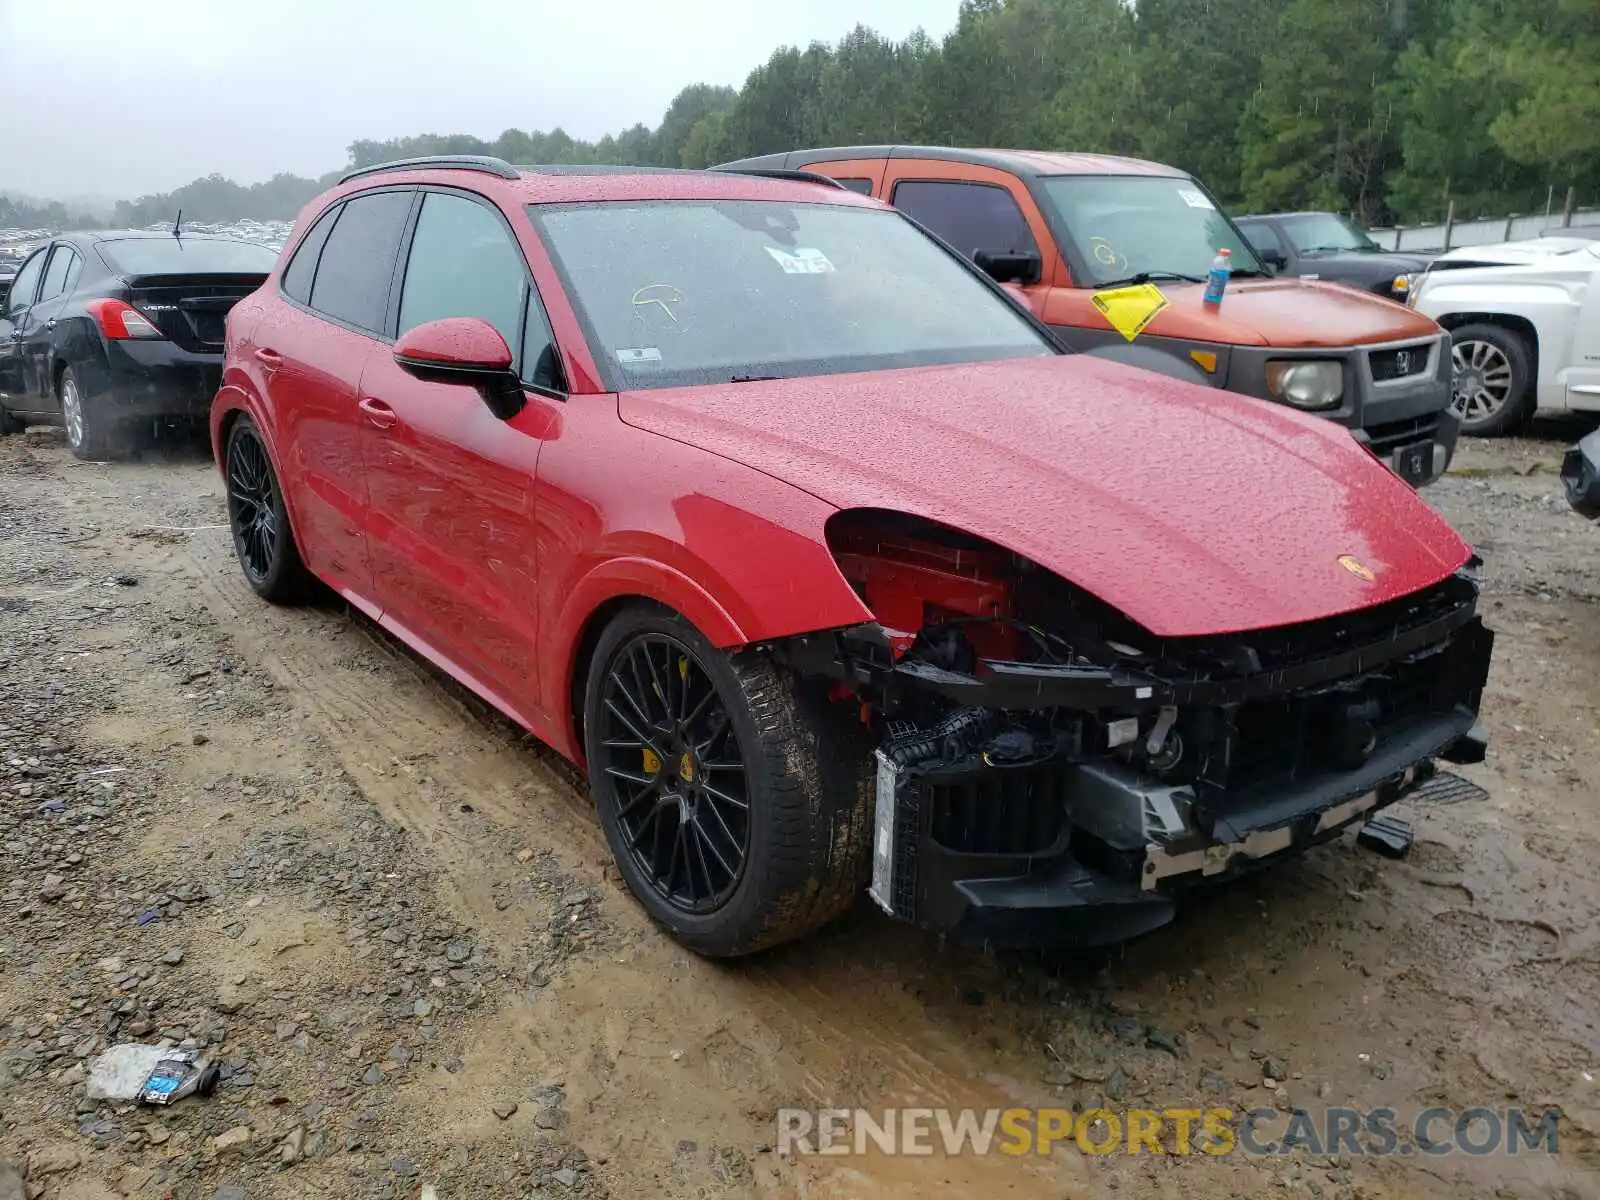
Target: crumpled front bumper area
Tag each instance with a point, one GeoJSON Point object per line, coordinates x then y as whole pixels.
{"type": "Point", "coordinates": [1083, 847]}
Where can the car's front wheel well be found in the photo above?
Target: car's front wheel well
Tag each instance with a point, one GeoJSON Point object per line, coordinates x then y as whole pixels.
{"type": "Point", "coordinates": [583, 656]}
{"type": "Point", "coordinates": [1521, 326]}
{"type": "Point", "coordinates": [229, 420]}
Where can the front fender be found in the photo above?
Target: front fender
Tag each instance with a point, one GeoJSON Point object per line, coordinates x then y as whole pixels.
{"type": "Point", "coordinates": [741, 555]}
{"type": "Point", "coordinates": [728, 611]}
{"type": "Point", "coordinates": [650, 580]}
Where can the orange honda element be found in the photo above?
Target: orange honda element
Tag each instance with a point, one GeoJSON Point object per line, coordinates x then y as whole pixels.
{"type": "Point", "coordinates": [1068, 229]}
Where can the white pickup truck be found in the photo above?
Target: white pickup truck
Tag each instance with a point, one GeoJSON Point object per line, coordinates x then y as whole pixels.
{"type": "Point", "coordinates": [1525, 321]}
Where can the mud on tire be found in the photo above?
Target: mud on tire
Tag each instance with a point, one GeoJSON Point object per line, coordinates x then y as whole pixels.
{"type": "Point", "coordinates": [806, 777]}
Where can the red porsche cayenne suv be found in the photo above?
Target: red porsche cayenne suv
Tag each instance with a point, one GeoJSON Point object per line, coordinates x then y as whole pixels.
{"type": "Point", "coordinates": [831, 566]}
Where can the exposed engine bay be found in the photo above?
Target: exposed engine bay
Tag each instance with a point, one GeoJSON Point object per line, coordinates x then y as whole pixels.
{"type": "Point", "coordinates": [1040, 756]}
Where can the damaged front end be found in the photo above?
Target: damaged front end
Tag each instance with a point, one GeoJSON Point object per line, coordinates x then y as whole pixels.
{"type": "Point", "coordinates": [1049, 773]}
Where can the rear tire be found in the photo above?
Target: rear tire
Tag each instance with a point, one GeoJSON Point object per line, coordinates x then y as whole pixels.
{"type": "Point", "coordinates": [791, 772]}
{"type": "Point", "coordinates": [1492, 379]}
{"type": "Point", "coordinates": [262, 537]}
{"type": "Point", "coordinates": [10, 423]}
{"type": "Point", "coordinates": [91, 434]}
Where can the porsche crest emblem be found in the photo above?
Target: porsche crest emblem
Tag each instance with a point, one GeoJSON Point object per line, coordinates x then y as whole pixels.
{"type": "Point", "coordinates": [1356, 567]}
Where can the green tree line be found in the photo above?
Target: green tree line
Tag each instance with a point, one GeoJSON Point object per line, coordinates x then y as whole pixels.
{"type": "Point", "coordinates": [1387, 109]}
{"type": "Point", "coordinates": [19, 213]}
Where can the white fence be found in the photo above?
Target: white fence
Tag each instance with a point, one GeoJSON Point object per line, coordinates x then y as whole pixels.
{"type": "Point", "coordinates": [1483, 232]}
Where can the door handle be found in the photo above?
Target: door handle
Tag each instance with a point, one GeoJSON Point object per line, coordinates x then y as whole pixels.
{"type": "Point", "coordinates": [270, 359]}
{"type": "Point", "coordinates": [378, 414]}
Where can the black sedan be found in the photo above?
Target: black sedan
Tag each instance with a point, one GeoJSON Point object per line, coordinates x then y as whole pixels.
{"type": "Point", "coordinates": [1325, 245]}
{"type": "Point", "coordinates": [104, 329]}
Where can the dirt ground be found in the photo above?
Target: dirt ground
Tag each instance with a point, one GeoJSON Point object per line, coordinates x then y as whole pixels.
{"type": "Point", "coordinates": [391, 918]}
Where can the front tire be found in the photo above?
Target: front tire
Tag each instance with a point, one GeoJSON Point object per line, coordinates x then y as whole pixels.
{"type": "Point", "coordinates": [1492, 379]}
{"type": "Point", "coordinates": [262, 537]}
{"type": "Point", "coordinates": [91, 434]}
{"type": "Point", "coordinates": [10, 423]}
{"type": "Point", "coordinates": [736, 802]}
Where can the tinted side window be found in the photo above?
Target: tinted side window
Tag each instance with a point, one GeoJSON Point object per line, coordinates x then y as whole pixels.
{"type": "Point", "coordinates": [970, 216]}
{"type": "Point", "coordinates": [1260, 236]}
{"type": "Point", "coordinates": [55, 277]}
{"type": "Point", "coordinates": [357, 264]}
{"type": "Point", "coordinates": [864, 186]}
{"type": "Point", "coordinates": [463, 263]}
{"type": "Point", "coordinates": [22, 287]}
{"type": "Point", "coordinates": [303, 267]}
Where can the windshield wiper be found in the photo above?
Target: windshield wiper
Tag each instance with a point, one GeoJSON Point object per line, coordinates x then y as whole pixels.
{"type": "Point", "coordinates": [1150, 277]}
{"type": "Point", "coordinates": [752, 378]}
{"type": "Point", "coordinates": [1248, 272]}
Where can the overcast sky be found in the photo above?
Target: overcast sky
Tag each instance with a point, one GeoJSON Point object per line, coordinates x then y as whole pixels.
{"type": "Point", "coordinates": [125, 97]}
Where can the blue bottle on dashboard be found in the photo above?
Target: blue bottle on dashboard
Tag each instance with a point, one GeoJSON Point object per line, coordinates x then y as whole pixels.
{"type": "Point", "coordinates": [1217, 279]}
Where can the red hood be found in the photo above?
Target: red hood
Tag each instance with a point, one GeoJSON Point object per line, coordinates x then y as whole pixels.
{"type": "Point", "coordinates": [1192, 511]}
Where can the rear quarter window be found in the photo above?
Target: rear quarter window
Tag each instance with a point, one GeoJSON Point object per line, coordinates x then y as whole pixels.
{"type": "Point", "coordinates": [61, 274]}
{"type": "Point", "coordinates": [302, 267]}
{"type": "Point", "coordinates": [357, 264]}
{"type": "Point", "coordinates": [970, 216]}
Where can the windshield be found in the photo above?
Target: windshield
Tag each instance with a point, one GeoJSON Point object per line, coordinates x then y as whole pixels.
{"type": "Point", "coordinates": [183, 256]}
{"type": "Point", "coordinates": [1126, 225]}
{"type": "Point", "coordinates": [673, 293]}
{"type": "Point", "coordinates": [1326, 231]}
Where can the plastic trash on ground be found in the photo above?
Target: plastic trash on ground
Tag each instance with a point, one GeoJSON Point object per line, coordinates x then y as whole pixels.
{"type": "Point", "coordinates": [150, 1074]}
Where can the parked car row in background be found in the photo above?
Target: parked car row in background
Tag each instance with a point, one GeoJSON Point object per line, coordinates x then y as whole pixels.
{"type": "Point", "coordinates": [8, 271]}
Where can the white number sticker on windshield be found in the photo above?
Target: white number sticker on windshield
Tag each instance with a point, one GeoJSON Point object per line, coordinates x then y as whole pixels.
{"type": "Point", "coordinates": [638, 356]}
{"type": "Point", "coordinates": [804, 261]}
{"type": "Point", "coordinates": [1195, 199]}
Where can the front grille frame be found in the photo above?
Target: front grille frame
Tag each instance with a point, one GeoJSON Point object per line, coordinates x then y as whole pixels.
{"type": "Point", "coordinates": [1401, 364]}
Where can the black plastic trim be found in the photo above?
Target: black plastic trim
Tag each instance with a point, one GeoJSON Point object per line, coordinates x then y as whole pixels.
{"type": "Point", "coordinates": [1017, 685]}
{"type": "Point", "coordinates": [774, 173]}
{"type": "Point", "coordinates": [485, 163]}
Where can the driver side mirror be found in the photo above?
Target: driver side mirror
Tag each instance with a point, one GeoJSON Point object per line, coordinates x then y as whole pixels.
{"type": "Point", "coordinates": [463, 350]}
{"type": "Point", "coordinates": [1010, 266]}
{"type": "Point", "coordinates": [1273, 258]}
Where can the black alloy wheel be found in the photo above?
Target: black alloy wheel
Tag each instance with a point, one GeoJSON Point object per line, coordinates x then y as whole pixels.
{"type": "Point", "coordinates": [735, 798]}
{"type": "Point", "coordinates": [678, 785]}
{"type": "Point", "coordinates": [262, 538]}
{"type": "Point", "coordinates": [253, 506]}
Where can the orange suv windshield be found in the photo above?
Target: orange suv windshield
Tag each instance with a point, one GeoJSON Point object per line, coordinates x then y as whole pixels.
{"type": "Point", "coordinates": [1128, 225]}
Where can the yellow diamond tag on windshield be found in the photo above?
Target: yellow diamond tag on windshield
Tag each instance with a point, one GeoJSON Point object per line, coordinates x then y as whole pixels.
{"type": "Point", "coordinates": [1130, 309]}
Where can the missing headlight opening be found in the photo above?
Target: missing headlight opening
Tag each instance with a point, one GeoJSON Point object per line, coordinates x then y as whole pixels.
{"type": "Point", "coordinates": [1039, 755]}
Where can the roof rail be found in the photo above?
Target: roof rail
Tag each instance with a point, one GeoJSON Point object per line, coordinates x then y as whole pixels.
{"type": "Point", "coordinates": [774, 173]}
{"type": "Point", "coordinates": [439, 162]}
